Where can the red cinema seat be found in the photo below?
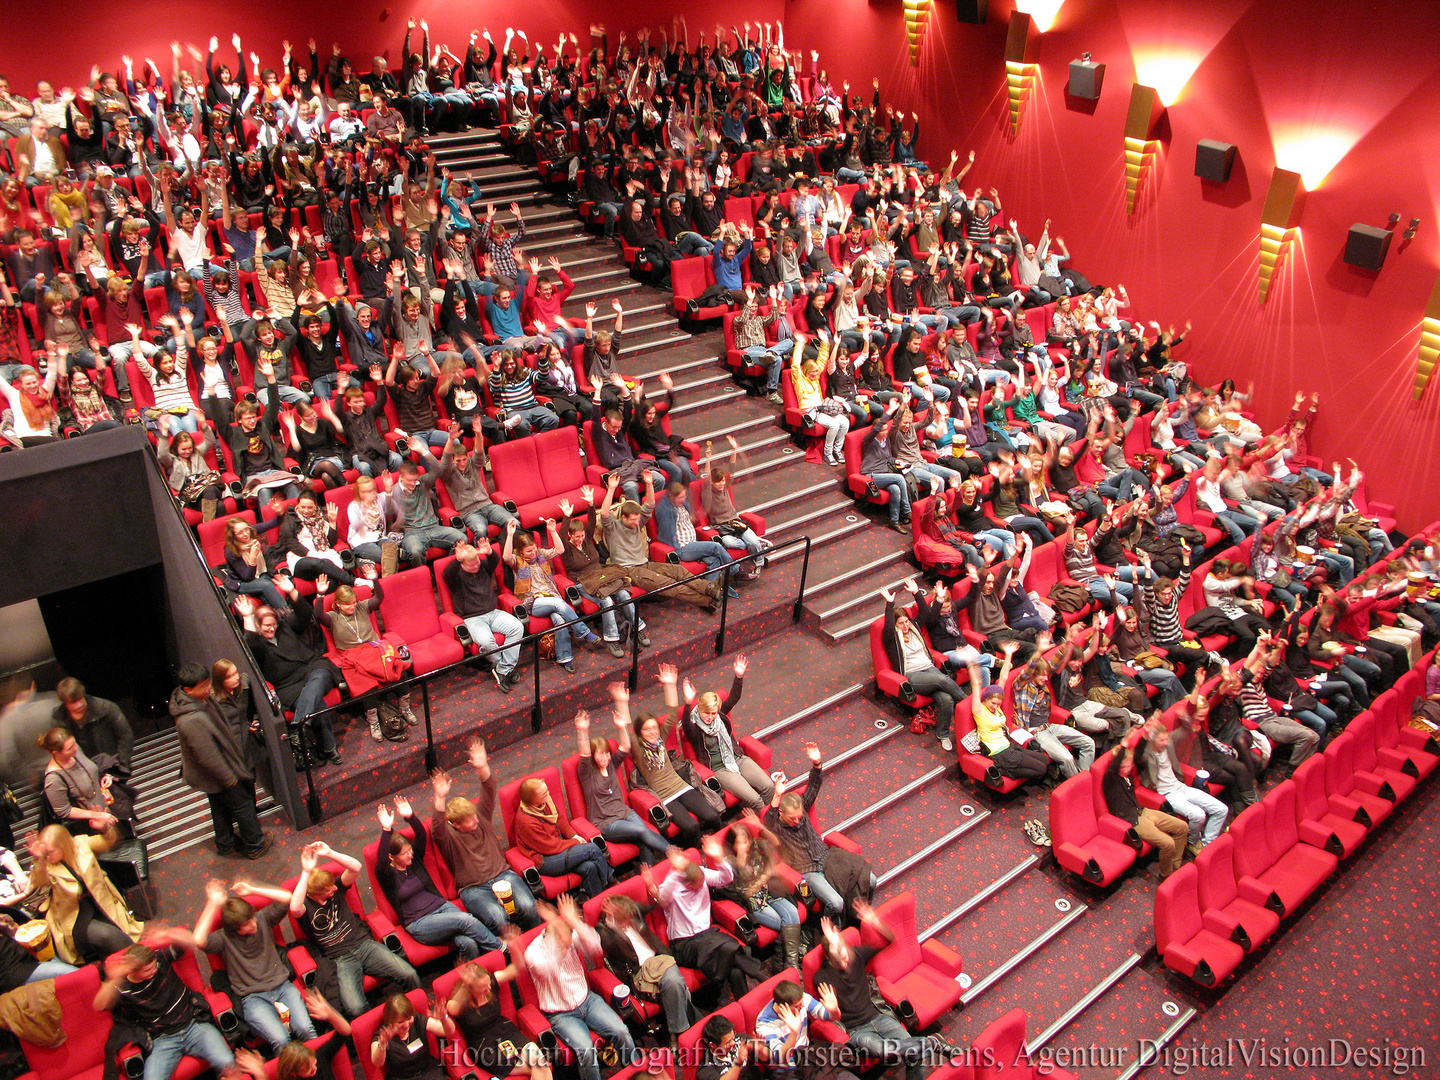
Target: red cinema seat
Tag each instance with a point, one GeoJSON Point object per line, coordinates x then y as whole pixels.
{"type": "Point", "coordinates": [1272, 866]}
{"type": "Point", "coordinates": [410, 613]}
{"type": "Point", "coordinates": [1224, 910]}
{"type": "Point", "coordinates": [537, 473]}
{"type": "Point", "coordinates": [999, 1053]}
{"type": "Point", "coordinates": [906, 969]}
{"type": "Point", "coordinates": [1081, 846]}
{"type": "Point", "coordinates": [1183, 940]}
{"type": "Point", "coordinates": [1321, 823]}
{"type": "Point", "coordinates": [416, 952]}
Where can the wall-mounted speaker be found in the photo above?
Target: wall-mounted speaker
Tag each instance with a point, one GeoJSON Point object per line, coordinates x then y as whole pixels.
{"type": "Point", "coordinates": [1366, 246]}
{"type": "Point", "coordinates": [1086, 78]}
{"type": "Point", "coordinates": [1213, 160]}
{"type": "Point", "coordinates": [972, 11]}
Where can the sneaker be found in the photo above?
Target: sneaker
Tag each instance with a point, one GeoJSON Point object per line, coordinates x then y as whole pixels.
{"type": "Point", "coordinates": [372, 716]}
{"type": "Point", "coordinates": [615, 650]}
{"type": "Point", "coordinates": [1195, 848]}
{"type": "Point", "coordinates": [514, 676]}
{"type": "Point", "coordinates": [946, 743]}
{"type": "Point", "coordinates": [644, 638]}
{"type": "Point", "coordinates": [773, 396]}
{"type": "Point", "coordinates": [568, 665]}
{"type": "Point", "coordinates": [409, 714]}
{"type": "Point", "coordinates": [335, 758]}
{"type": "Point", "coordinates": [501, 680]}
{"type": "Point", "coordinates": [1036, 832]}
{"type": "Point", "coordinates": [831, 459]}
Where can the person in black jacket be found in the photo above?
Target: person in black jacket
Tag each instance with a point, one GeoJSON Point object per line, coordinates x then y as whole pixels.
{"type": "Point", "coordinates": [255, 454]}
{"type": "Point", "coordinates": [706, 723]}
{"type": "Point", "coordinates": [301, 675]}
{"type": "Point", "coordinates": [426, 915]}
{"type": "Point", "coordinates": [1165, 831]}
{"type": "Point", "coordinates": [936, 615]}
{"type": "Point", "coordinates": [369, 452]}
{"type": "Point", "coordinates": [213, 762]}
{"type": "Point", "coordinates": [877, 462]}
{"type": "Point", "coordinates": [98, 725]}
{"type": "Point", "coordinates": [622, 925]}
{"type": "Point", "coordinates": [909, 656]}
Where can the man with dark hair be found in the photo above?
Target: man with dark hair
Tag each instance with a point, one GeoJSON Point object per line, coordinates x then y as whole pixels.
{"type": "Point", "coordinates": [142, 987]}
{"type": "Point", "coordinates": [259, 978]}
{"type": "Point", "coordinates": [97, 724]}
{"type": "Point", "coordinates": [784, 1024]}
{"type": "Point", "coordinates": [212, 761]}
{"type": "Point", "coordinates": [726, 1054]}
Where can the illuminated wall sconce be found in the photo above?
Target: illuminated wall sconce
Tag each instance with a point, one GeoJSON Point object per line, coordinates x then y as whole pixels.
{"type": "Point", "coordinates": [1022, 47]}
{"type": "Point", "coordinates": [1140, 141]}
{"type": "Point", "coordinates": [1429, 343]}
{"type": "Point", "coordinates": [917, 14]}
{"type": "Point", "coordinates": [1277, 224]}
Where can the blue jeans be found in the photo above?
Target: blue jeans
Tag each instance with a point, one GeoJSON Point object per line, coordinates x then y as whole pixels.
{"type": "Point", "coordinates": [631, 488]}
{"type": "Point", "coordinates": [773, 356]}
{"type": "Point", "coordinates": [416, 542]}
{"type": "Point", "coordinates": [1205, 813]}
{"type": "Point", "coordinates": [631, 829]}
{"type": "Point", "coordinates": [120, 352]}
{"type": "Point", "coordinates": [370, 957]}
{"type": "Point", "coordinates": [483, 629]}
{"type": "Point", "coordinates": [311, 700]}
{"type": "Point", "coordinates": [894, 483]}
{"type": "Point", "coordinates": [573, 1028]}
{"type": "Point", "coordinates": [479, 521]}
{"type": "Point", "coordinates": [1238, 524]}
{"type": "Point", "coordinates": [264, 588]}
{"type": "Point", "coordinates": [480, 901]}
{"type": "Point", "coordinates": [558, 611]}
{"type": "Point", "coordinates": [967, 655]}
{"type": "Point", "coordinates": [692, 243]}
{"type": "Point", "coordinates": [710, 552]}
{"type": "Point", "coordinates": [288, 394]}
{"type": "Point", "coordinates": [51, 969]}
{"type": "Point", "coordinates": [1319, 719]}
{"type": "Point", "coordinates": [535, 418]}
{"type": "Point", "coordinates": [884, 1037]}
{"type": "Point", "coordinates": [1167, 682]}
{"type": "Point", "coordinates": [609, 628]}
{"type": "Point", "coordinates": [259, 1012]}
{"type": "Point", "coordinates": [363, 467]}
{"type": "Point", "coordinates": [325, 386]}
{"type": "Point", "coordinates": [1002, 540]}
{"type": "Point", "coordinates": [448, 924]}
{"type": "Point", "coordinates": [780, 911]}
{"type": "Point", "coordinates": [587, 860]}
{"type": "Point", "coordinates": [1100, 591]}
{"type": "Point", "coordinates": [611, 212]}
{"type": "Point", "coordinates": [824, 892]}
{"type": "Point", "coordinates": [197, 1040]}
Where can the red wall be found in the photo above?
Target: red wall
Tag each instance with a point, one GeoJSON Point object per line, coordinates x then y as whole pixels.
{"type": "Point", "coordinates": [1268, 72]}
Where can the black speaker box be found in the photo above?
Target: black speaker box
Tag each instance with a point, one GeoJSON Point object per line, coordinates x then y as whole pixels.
{"type": "Point", "coordinates": [1366, 246]}
{"type": "Point", "coordinates": [972, 11]}
{"type": "Point", "coordinates": [1213, 160]}
{"type": "Point", "coordinates": [1086, 80]}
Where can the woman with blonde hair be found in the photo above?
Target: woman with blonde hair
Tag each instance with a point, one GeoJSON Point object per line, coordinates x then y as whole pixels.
{"type": "Point", "coordinates": [399, 1049]}
{"type": "Point", "coordinates": [86, 914]}
{"type": "Point", "coordinates": [706, 724]}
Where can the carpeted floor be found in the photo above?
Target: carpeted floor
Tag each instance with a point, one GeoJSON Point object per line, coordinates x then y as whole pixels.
{"type": "Point", "coordinates": [1359, 964]}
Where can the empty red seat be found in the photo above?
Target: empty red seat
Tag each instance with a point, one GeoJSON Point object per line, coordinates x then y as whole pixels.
{"type": "Point", "coordinates": [410, 613]}
{"type": "Point", "coordinates": [1224, 910]}
{"type": "Point", "coordinates": [1321, 823]}
{"type": "Point", "coordinates": [1272, 866]}
{"type": "Point", "coordinates": [537, 473]}
{"type": "Point", "coordinates": [1183, 940]}
{"type": "Point", "coordinates": [1081, 845]}
{"type": "Point", "coordinates": [1366, 798]}
{"type": "Point", "coordinates": [906, 969]}
{"type": "Point", "coordinates": [999, 1053]}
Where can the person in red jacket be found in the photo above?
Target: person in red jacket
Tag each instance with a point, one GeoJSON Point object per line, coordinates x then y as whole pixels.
{"type": "Point", "coordinates": [543, 833]}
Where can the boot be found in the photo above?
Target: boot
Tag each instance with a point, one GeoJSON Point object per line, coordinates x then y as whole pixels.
{"type": "Point", "coordinates": [406, 711]}
{"type": "Point", "coordinates": [372, 717]}
{"type": "Point", "coordinates": [296, 738]}
{"type": "Point", "coordinates": [790, 946]}
{"type": "Point", "coordinates": [207, 509]}
{"type": "Point", "coordinates": [389, 557]}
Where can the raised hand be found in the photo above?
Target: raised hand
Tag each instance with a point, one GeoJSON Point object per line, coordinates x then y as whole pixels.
{"type": "Point", "coordinates": [215, 892]}
{"type": "Point", "coordinates": [741, 665]}
{"type": "Point", "coordinates": [475, 749]}
{"type": "Point", "coordinates": [667, 675]}
{"type": "Point", "coordinates": [813, 753]}
{"type": "Point", "coordinates": [440, 784]}
{"type": "Point", "coordinates": [386, 817]}
{"type": "Point", "coordinates": [620, 693]}
{"type": "Point", "coordinates": [402, 806]}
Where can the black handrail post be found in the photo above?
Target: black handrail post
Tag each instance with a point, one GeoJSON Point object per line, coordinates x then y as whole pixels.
{"type": "Point", "coordinates": [634, 678]}
{"type": "Point", "coordinates": [800, 593]}
{"type": "Point", "coordinates": [431, 761]}
{"type": "Point", "coordinates": [536, 712]}
{"type": "Point", "coordinates": [724, 612]}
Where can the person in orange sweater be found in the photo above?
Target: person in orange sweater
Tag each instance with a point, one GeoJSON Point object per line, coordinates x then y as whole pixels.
{"type": "Point", "coordinates": [544, 834]}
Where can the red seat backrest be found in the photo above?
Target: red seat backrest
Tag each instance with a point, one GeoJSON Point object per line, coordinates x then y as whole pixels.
{"type": "Point", "coordinates": [516, 470]}
{"type": "Point", "coordinates": [1177, 908]}
{"type": "Point", "coordinates": [687, 277]}
{"type": "Point", "coordinates": [409, 605]}
{"type": "Point", "coordinates": [1072, 811]}
{"type": "Point", "coordinates": [559, 462]}
{"type": "Point", "coordinates": [85, 1029]}
{"type": "Point", "coordinates": [1216, 869]}
{"type": "Point", "coordinates": [1252, 847]}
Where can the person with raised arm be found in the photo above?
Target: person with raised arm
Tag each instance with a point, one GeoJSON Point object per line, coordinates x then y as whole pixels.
{"type": "Point", "coordinates": [598, 771]}
{"type": "Point", "coordinates": [498, 1046]}
{"type": "Point", "coordinates": [706, 724]}
{"type": "Point", "coordinates": [320, 905]}
{"type": "Point", "coordinates": [1011, 759]}
{"type": "Point", "coordinates": [401, 1047]}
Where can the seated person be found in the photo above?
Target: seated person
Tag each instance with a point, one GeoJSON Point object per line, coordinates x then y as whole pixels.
{"type": "Point", "coordinates": [322, 909]}
{"type": "Point", "coordinates": [426, 915]}
{"type": "Point", "coordinates": [909, 656]}
{"type": "Point", "coordinates": [465, 835]}
{"type": "Point", "coordinates": [498, 1046]}
{"type": "Point", "coordinates": [1158, 766]}
{"type": "Point", "coordinates": [1012, 759]}
{"type": "Point", "coordinates": [834, 875]}
{"type": "Point", "coordinates": [18, 966]}
{"type": "Point", "coordinates": [401, 1046]}
{"type": "Point", "coordinates": [544, 835]}
{"type": "Point", "coordinates": [684, 894]}
{"type": "Point", "coordinates": [629, 547]}
{"type": "Point", "coordinates": [360, 649]}
{"type": "Point", "coordinates": [259, 978]}
{"type": "Point", "coordinates": [527, 571]}
{"type": "Point", "coordinates": [299, 1061]}
{"type": "Point", "coordinates": [764, 895]}
{"type": "Point", "coordinates": [612, 447]}
{"type": "Point", "coordinates": [655, 770]}
{"type": "Point", "coordinates": [1165, 831]}
{"type": "Point", "coordinates": [555, 962]}
{"type": "Point", "coordinates": [784, 1026]}
{"type": "Point", "coordinates": [602, 584]}
{"type": "Point", "coordinates": [141, 986]}
{"type": "Point", "coordinates": [724, 1055]}
{"type": "Point", "coordinates": [470, 580]}
{"type": "Point", "coordinates": [706, 724]}
{"type": "Point", "coordinates": [415, 509]}
{"type": "Point", "coordinates": [87, 916]}
{"type": "Point", "coordinates": [1072, 750]}
{"type": "Point", "coordinates": [675, 528]}
{"type": "Point", "coordinates": [301, 675]}
{"type": "Point", "coordinates": [605, 806]}
{"type": "Point", "coordinates": [637, 956]}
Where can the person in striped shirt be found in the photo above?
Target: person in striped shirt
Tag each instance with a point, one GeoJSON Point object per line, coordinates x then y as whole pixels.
{"type": "Point", "coordinates": [512, 385]}
{"type": "Point", "coordinates": [1162, 598]}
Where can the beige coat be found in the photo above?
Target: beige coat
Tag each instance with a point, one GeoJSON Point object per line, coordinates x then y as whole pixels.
{"type": "Point", "coordinates": [63, 906]}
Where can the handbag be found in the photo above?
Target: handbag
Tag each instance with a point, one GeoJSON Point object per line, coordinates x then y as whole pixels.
{"type": "Point", "coordinates": [1149, 660]}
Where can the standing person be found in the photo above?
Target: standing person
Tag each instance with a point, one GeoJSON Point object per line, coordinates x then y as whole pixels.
{"type": "Point", "coordinates": [322, 908]}
{"type": "Point", "coordinates": [706, 724]}
{"type": "Point", "coordinates": [605, 807]}
{"type": "Point", "coordinates": [1165, 831]}
{"type": "Point", "coordinates": [465, 835]}
{"type": "Point", "coordinates": [141, 986]}
{"type": "Point", "coordinates": [97, 724]}
{"type": "Point", "coordinates": [558, 972]}
{"type": "Point", "coordinates": [875, 1033]}
{"type": "Point", "coordinates": [245, 940]}
{"type": "Point", "coordinates": [213, 761]}
{"type": "Point", "coordinates": [835, 876]}
{"type": "Point", "coordinates": [426, 915]}
{"type": "Point", "coordinates": [684, 894]}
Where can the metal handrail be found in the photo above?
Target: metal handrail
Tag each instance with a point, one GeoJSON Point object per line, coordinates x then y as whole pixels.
{"type": "Point", "coordinates": [533, 640]}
